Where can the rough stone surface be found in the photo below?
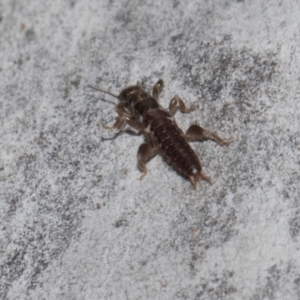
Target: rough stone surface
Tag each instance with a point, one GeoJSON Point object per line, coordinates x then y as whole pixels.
{"type": "Point", "coordinates": [75, 221]}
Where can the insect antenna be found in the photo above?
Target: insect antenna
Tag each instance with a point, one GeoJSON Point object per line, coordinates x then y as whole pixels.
{"type": "Point", "coordinates": [103, 91]}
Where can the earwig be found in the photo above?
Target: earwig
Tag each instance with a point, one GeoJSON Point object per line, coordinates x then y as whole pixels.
{"type": "Point", "coordinates": [143, 113]}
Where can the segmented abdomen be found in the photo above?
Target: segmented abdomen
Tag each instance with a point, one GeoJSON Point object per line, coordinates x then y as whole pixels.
{"type": "Point", "coordinates": [171, 141]}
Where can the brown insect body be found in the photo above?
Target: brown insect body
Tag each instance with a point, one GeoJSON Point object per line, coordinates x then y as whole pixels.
{"type": "Point", "coordinates": [144, 113]}
{"type": "Point", "coordinates": [162, 131]}
{"type": "Point", "coordinates": [168, 137]}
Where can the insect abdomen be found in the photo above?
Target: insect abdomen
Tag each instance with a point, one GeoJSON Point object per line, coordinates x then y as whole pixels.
{"type": "Point", "coordinates": [173, 145]}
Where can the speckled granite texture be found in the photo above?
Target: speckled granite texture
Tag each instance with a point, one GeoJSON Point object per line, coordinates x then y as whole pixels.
{"type": "Point", "coordinates": [75, 221]}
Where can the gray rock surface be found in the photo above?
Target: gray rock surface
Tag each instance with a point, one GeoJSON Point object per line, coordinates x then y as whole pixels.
{"type": "Point", "coordinates": [76, 223]}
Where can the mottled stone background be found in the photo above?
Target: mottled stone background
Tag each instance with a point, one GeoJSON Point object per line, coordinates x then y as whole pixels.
{"type": "Point", "coordinates": [75, 221]}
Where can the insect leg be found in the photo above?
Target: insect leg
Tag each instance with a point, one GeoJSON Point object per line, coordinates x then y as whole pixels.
{"type": "Point", "coordinates": [145, 153]}
{"type": "Point", "coordinates": [157, 89]}
{"type": "Point", "coordinates": [197, 133]}
{"type": "Point", "coordinates": [125, 117]}
{"type": "Point", "coordinates": [177, 102]}
{"type": "Point", "coordinates": [136, 126]}
{"type": "Point", "coordinates": [119, 124]}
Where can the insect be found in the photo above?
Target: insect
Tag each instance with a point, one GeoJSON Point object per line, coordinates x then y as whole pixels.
{"type": "Point", "coordinates": [143, 113]}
